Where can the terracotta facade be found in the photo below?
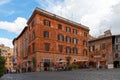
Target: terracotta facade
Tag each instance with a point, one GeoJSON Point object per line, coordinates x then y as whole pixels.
{"type": "Point", "coordinates": [52, 41]}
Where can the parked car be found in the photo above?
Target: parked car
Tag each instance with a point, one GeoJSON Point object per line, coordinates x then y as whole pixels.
{"type": "Point", "coordinates": [60, 69]}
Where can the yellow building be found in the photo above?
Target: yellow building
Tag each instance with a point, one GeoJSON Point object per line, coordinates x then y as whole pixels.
{"type": "Point", "coordinates": [7, 52]}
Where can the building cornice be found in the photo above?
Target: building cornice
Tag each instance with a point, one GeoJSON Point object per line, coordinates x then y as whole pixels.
{"type": "Point", "coordinates": [56, 17]}
{"type": "Point", "coordinates": [20, 34]}
{"type": "Point", "coordinates": [101, 38]}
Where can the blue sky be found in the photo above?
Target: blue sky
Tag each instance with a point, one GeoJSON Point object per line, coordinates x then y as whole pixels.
{"type": "Point", "coordinates": [13, 9]}
{"type": "Point", "coordinates": [15, 12]}
{"type": "Point", "coordinates": [97, 15]}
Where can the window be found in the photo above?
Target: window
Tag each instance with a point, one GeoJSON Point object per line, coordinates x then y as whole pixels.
{"type": "Point", "coordinates": [85, 34]}
{"type": "Point", "coordinates": [74, 31]}
{"type": "Point", "coordinates": [84, 52]}
{"type": "Point", "coordinates": [26, 35]}
{"type": "Point", "coordinates": [117, 47]}
{"type": "Point", "coordinates": [47, 46]}
{"type": "Point", "coordinates": [47, 23]}
{"type": "Point", "coordinates": [9, 54]}
{"type": "Point", "coordinates": [68, 50]}
{"type": "Point", "coordinates": [29, 37]}
{"type": "Point", "coordinates": [32, 23]}
{"type": "Point", "coordinates": [103, 55]}
{"type": "Point", "coordinates": [91, 48]}
{"type": "Point", "coordinates": [33, 47]}
{"type": "Point", "coordinates": [103, 46]}
{"type": "Point", "coordinates": [118, 39]}
{"type": "Point", "coordinates": [60, 37]}
{"type": "Point", "coordinates": [116, 55]}
{"type": "Point", "coordinates": [85, 43]}
{"type": "Point", "coordinates": [68, 29]}
{"type": "Point", "coordinates": [46, 34]}
{"type": "Point", "coordinates": [75, 41]}
{"type": "Point", "coordinates": [60, 48]}
{"type": "Point", "coordinates": [59, 26]}
{"type": "Point", "coordinates": [75, 51]}
{"type": "Point", "coordinates": [68, 39]}
{"type": "Point", "coordinates": [91, 56]}
{"type": "Point", "coordinates": [28, 50]}
{"type": "Point", "coordinates": [33, 35]}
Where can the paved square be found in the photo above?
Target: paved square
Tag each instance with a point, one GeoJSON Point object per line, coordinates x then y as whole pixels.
{"type": "Point", "coordinates": [82, 74]}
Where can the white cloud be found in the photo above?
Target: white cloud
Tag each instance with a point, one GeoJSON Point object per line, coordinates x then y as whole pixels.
{"type": "Point", "coordinates": [6, 41]}
{"type": "Point", "coordinates": [91, 13]}
{"type": "Point", "coordinates": [4, 1]}
{"type": "Point", "coordinates": [113, 20]}
{"type": "Point", "coordinates": [16, 26]}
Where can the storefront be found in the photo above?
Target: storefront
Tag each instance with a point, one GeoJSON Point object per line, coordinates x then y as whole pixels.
{"type": "Point", "coordinates": [46, 64]}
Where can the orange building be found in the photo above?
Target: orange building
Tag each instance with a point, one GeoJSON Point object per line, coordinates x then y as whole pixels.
{"type": "Point", "coordinates": [51, 41]}
{"type": "Point", "coordinates": [21, 49]}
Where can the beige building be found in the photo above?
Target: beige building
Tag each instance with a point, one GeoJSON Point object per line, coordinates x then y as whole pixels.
{"type": "Point", "coordinates": [7, 52]}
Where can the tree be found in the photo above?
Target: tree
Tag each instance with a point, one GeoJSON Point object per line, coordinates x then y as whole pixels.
{"type": "Point", "coordinates": [34, 62]}
{"type": "Point", "coordinates": [2, 65]}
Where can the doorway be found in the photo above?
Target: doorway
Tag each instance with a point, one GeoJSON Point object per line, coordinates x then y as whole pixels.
{"type": "Point", "coordinates": [47, 64]}
{"type": "Point", "coordinates": [116, 64]}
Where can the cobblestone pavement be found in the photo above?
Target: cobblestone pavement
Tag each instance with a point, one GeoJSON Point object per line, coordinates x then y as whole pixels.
{"type": "Point", "coordinates": [83, 74]}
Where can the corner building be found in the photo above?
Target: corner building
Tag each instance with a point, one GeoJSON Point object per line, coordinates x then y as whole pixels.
{"type": "Point", "coordinates": [55, 42]}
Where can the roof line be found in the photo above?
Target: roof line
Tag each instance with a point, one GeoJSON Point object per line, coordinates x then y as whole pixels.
{"type": "Point", "coordinates": [57, 17]}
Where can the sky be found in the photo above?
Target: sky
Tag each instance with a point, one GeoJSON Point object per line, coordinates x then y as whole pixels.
{"type": "Point", "coordinates": [98, 15]}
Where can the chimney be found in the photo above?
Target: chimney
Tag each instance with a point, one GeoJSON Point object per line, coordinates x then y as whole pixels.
{"type": "Point", "coordinates": [107, 33]}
